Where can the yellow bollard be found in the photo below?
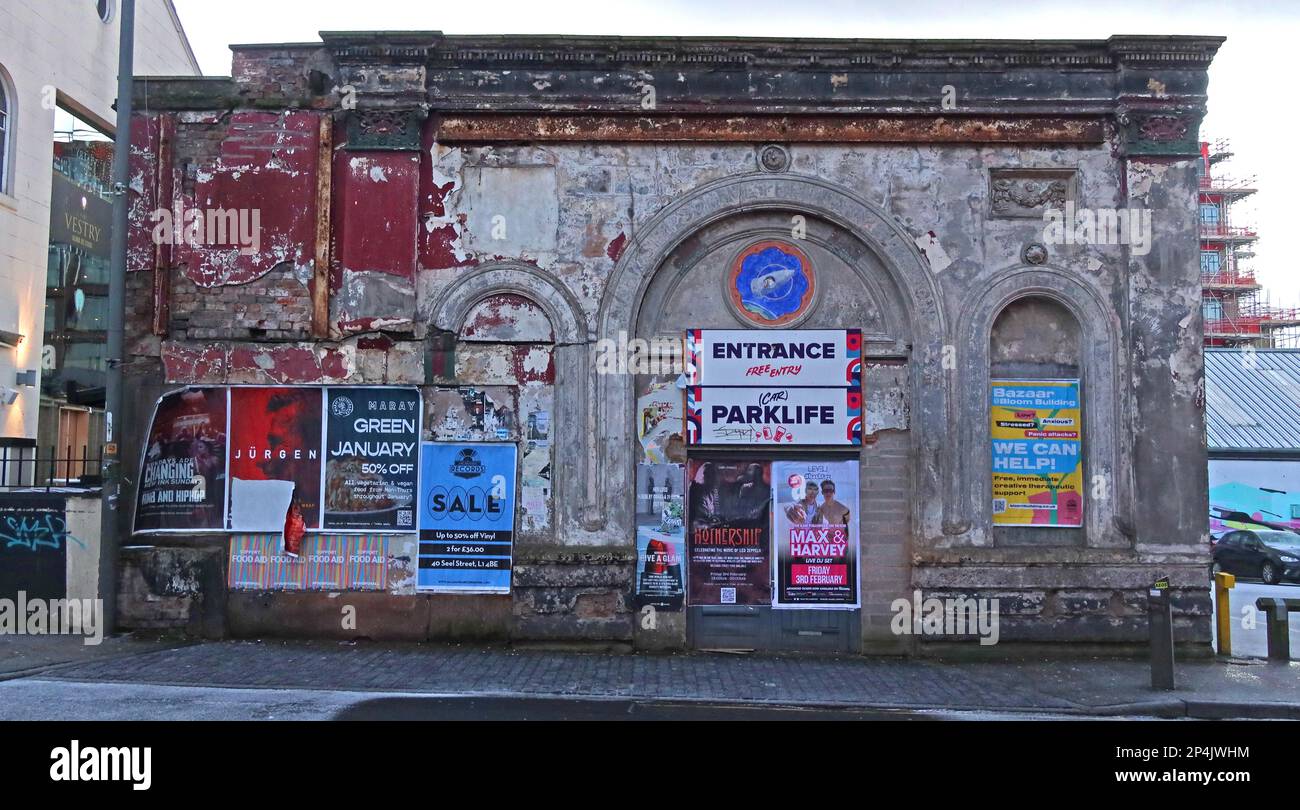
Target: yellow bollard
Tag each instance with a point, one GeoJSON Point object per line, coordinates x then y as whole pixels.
{"type": "Point", "coordinates": [1222, 612]}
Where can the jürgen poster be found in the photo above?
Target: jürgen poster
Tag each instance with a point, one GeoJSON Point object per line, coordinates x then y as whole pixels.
{"type": "Point", "coordinates": [660, 535]}
{"type": "Point", "coordinates": [275, 443]}
{"type": "Point", "coordinates": [467, 517]}
{"type": "Point", "coordinates": [816, 534]}
{"type": "Point", "coordinates": [372, 441]}
{"type": "Point", "coordinates": [1037, 469]}
{"type": "Point", "coordinates": [183, 471]}
{"type": "Point", "coordinates": [728, 533]}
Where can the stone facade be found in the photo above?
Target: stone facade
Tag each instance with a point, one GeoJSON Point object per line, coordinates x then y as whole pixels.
{"type": "Point", "coordinates": [477, 212]}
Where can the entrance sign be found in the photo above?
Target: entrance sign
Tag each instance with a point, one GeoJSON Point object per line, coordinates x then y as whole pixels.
{"type": "Point", "coordinates": [780, 416]}
{"type": "Point", "coordinates": [1037, 453]}
{"type": "Point", "coordinates": [729, 533]}
{"type": "Point", "coordinates": [816, 537]}
{"type": "Point", "coordinates": [793, 357]}
{"type": "Point", "coordinates": [467, 517]}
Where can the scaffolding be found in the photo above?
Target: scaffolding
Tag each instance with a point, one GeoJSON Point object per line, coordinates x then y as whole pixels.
{"type": "Point", "coordinates": [1236, 312]}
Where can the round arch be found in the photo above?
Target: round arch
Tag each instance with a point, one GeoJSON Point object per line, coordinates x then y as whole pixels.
{"type": "Point", "coordinates": [1103, 399]}
{"type": "Point", "coordinates": [672, 229]}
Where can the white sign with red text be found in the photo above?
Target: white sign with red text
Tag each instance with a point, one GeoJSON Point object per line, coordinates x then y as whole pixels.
{"type": "Point", "coordinates": [787, 357]}
{"type": "Point", "coordinates": [774, 416]}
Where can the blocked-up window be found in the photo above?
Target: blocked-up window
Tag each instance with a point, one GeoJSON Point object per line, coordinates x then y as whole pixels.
{"type": "Point", "coordinates": [1036, 424]}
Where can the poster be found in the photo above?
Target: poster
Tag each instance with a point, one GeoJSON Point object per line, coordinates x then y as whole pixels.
{"type": "Point", "coordinates": [728, 544]}
{"type": "Point", "coordinates": [769, 415]}
{"type": "Point", "coordinates": [372, 439]}
{"type": "Point", "coordinates": [333, 562]}
{"type": "Point", "coordinates": [535, 466]}
{"type": "Point", "coordinates": [1037, 464]}
{"type": "Point", "coordinates": [467, 517]}
{"type": "Point", "coordinates": [367, 562]}
{"type": "Point", "coordinates": [1254, 494]}
{"type": "Point", "coordinates": [660, 535]}
{"type": "Point", "coordinates": [275, 457]}
{"type": "Point", "coordinates": [816, 534]}
{"type": "Point", "coordinates": [183, 469]}
{"type": "Point", "coordinates": [326, 562]}
{"type": "Point", "coordinates": [805, 357]}
{"type": "Point", "coordinates": [249, 568]}
{"type": "Point", "coordinates": [659, 423]}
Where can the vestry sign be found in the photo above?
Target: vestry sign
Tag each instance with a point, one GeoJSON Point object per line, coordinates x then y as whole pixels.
{"type": "Point", "coordinates": [79, 217]}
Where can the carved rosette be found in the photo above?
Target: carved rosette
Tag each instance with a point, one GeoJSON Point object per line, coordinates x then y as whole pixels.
{"type": "Point", "coordinates": [1172, 131]}
{"type": "Point", "coordinates": [385, 129]}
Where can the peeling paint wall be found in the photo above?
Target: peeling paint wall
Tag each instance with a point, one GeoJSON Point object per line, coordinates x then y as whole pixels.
{"type": "Point", "coordinates": [493, 210]}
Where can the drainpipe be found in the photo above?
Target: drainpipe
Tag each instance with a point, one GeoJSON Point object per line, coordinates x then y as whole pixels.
{"type": "Point", "coordinates": [110, 466]}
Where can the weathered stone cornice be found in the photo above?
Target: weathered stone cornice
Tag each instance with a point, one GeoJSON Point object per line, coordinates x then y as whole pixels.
{"type": "Point", "coordinates": [1138, 82]}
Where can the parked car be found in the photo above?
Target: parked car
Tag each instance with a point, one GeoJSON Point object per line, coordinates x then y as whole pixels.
{"type": "Point", "coordinates": [1271, 555]}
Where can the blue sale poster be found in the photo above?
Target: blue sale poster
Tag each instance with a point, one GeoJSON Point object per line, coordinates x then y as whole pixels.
{"type": "Point", "coordinates": [467, 517]}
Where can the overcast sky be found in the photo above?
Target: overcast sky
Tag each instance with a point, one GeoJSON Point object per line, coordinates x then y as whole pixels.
{"type": "Point", "coordinates": [1253, 91]}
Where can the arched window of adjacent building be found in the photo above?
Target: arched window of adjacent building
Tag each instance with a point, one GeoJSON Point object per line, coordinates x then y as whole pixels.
{"type": "Point", "coordinates": [1038, 440]}
{"type": "Point", "coordinates": [6, 129]}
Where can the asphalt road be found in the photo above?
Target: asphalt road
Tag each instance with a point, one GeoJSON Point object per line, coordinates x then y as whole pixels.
{"type": "Point", "coordinates": [1248, 642]}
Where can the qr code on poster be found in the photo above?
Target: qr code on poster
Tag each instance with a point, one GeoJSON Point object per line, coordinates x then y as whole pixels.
{"type": "Point", "coordinates": [728, 596]}
{"type": "Point", "coordinates": [403, 517]}
{"type": "Point", "coordinates": [999, 505]}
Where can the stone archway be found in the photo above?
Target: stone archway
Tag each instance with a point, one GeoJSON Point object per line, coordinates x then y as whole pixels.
{"type": "Point", "coordinates": [572, 417]}
{"type": "Point", "coordinates": [862, 226]}
{"type": "Point", "coordinates": [1105, 520]}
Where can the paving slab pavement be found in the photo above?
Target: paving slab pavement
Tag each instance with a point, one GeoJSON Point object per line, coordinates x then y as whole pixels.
{"type": "Point", "coordinates": [1094, 686]}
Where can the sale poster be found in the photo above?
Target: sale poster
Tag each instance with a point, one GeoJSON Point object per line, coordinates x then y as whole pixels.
{"type": "Point", "coordinates": [660, 535]}
{"type": "Point", "coordinates": [467, 517]}
{"type": "Point", "coordinates": [816, 534]}
{"type": "Point", "coordinates": [1037, 453]}
{"type": "Point", "coordinates": [183, 473]}
{"type": "Point", "coordinates": [728, 533]}
{"type": "Point", "coordinates": [275, 457]}
{"type": "Point", "coordinates": [372, 441]}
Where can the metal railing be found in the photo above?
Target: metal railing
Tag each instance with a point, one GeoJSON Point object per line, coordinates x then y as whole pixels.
{"type": "Point", "coordinates": [45, 468]}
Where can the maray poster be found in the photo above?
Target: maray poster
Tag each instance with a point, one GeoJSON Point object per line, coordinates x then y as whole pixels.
{"type": "Point", "coordinates": [1036, 453]}
{"type": "Point", "coordinates": [372, 444]}
{"type": "Point", "coordinates": [816, 534]}
{"type": "Point", "coordinates": [728, 533]}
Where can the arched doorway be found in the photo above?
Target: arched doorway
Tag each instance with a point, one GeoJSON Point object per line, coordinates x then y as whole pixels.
{"type": "Point", "coordinates": [869, 277]}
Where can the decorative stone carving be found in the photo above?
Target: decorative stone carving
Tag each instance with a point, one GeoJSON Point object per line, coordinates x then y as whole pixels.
{"type": "Point", "coordinates": [387, 129]}
{"type": "Point", "coordinates": [1034, 253]}
{"type": "Point", "coordinates": [1027, 193]}
{"type": "Point", "coordinates": [1164, 130]}
{"type": "Point", "coordinates": [773, 158]}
